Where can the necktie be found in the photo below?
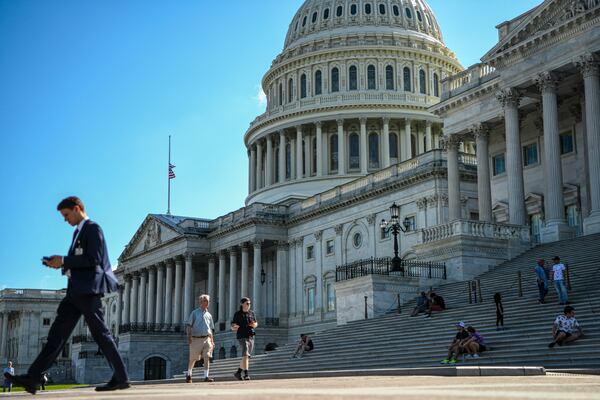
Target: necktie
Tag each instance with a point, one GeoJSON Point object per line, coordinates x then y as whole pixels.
{"type": "Point", "coordinates": [74, 236]}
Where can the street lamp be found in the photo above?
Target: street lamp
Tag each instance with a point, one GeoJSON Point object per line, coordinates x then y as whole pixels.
{"type": "Point", "coordinates": [395, 227]}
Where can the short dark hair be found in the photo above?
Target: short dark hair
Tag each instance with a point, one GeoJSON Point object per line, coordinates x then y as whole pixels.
{"type": "Point", "coordinates": [568, 309]}
{"type": "Point", "coordinates": [471, 329]}
{"type": "Point", "coordinates": [556, 258]}
{"type": "Point", "coordinates": [70, 203]}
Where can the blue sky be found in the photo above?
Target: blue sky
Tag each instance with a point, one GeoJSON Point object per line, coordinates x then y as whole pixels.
{"type": "Point", "coordinates": [90, 91]}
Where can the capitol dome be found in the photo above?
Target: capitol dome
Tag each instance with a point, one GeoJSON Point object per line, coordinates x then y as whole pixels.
{"type": "Point", "coordinates": [347, 96]}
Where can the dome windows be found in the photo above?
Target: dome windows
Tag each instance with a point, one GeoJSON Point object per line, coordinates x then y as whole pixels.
{"type": "Point", "coordinates": [314, 17]}
{"type": "Point", "coordinates": [304, 21]}
{"type": "Point", "coordinates": [396, 11]}
{"type": "Point", "coordinates": [407, 80]}
{"type": "Point", "coordinates": [318, 83]}
{"type": "Point", "coordinates": [373, 151]}
{"type": "Point", "coordinates": [335, 80]}
{"type": "Point", "coordinates": [326, 14]}
{"type": "Point", "coordinates": [389, 77]}
{"type": "Point", "coordinates": [368, 8]}
{"type": "Point", "coordinates": [436, 85]}
{"type": "Point", "coordinates": [339, 11]}
{"type": "Point", "coordinates": [280, 94]}
{"type": "Point", "coordinates": [422, 82]}
{"type": "Point", "coordinates": [354, 143]}
{"type": "Point", "coordinates": [419, 16]}
{"type": "Point", "coordinates": [408, 12]}
{"type": "Point", "coordinates": [353, 78]}
{"type": "Point", "coordinates": [353, 9]}
{"type": "Point", "coordinates": [382, 9]}
{"type": "Point", "coordinates": [303, 86]}
{"type": "Point", "coordinates": [290, 90]}
{"type": "Point", "coordinates": [371, 78]}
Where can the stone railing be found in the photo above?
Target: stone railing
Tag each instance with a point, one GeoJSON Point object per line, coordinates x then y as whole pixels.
{"type": "Point", "coordinates": [475, 229]}
{"type": "Point", "coordinates": [465, 80]}
{"type": "Point", "coordinates": [467, 159]}
{"type": "Point", "coordinates": [151, 328]}
{"type": "Point", "coordinates": [255, 210]}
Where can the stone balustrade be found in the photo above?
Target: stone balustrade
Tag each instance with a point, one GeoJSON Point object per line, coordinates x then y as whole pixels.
{"type": "Point", "coordinates": [474, 76]}
{"type": "Point", "coordinates": [478, 229]}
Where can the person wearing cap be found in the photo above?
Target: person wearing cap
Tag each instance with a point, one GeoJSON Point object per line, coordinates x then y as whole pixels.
{"type": "Point", "coordinates": [565, 328]}
{"type": "Point", "coordinates": [454, 349]}
{"type": "Point", "coordinates": [558, 276]}
{"type": "Point", "coordinates": [542, 280]}
{"type": "Point", "coordinates": [244, 323]}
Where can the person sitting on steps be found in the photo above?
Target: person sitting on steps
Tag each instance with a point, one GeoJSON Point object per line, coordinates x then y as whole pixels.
{"type": "Point", "coordinates": [422, 304]}
{"type": "Point", "coordinates": [475, 344]}
{"type": "Point", "coordinates": [437, 303]}
{"type": "Point", "coordinates": [305, 344]}
{"type": "Point", "coordinates": [565, 329]}
{"type": "Point", "coordinates": [454, 349]}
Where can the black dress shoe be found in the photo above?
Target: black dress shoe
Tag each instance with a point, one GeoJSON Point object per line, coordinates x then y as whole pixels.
{"type": "Point", "coordinates": [113, 386]}
{"type": "Point", "coordinates": [29, 384]}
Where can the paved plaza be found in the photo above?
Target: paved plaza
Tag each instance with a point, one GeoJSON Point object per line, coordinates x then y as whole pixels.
{"type": "Point", "coordinates": [549, 387]}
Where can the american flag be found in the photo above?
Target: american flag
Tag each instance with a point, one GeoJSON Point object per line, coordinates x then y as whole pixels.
{"type": "Point", "coordinates": [171, 173]}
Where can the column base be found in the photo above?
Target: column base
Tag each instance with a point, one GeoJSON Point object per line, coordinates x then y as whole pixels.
{"type": "Point", "coordinates": [591, 224]}
{"type": "Point", "coordinates": [555, 231]}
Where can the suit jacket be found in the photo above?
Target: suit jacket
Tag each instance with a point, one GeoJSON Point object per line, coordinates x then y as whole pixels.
{"type": "Point", "coordinates": [91, 272]}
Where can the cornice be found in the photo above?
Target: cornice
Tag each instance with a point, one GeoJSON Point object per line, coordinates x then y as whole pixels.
{"type": "Point", "coordinates": [468, 96]}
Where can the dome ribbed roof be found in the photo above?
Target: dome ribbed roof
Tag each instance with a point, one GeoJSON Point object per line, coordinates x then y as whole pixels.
{"type": "Point", "coordinates": [316, 18]}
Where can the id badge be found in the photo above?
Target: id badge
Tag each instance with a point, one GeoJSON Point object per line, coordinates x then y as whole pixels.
{"type": "Point", "coordinates": [78, 251]}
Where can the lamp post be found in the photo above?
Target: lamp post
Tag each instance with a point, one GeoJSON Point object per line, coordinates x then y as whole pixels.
{"type": "Point", "coordinates": [395, 227]}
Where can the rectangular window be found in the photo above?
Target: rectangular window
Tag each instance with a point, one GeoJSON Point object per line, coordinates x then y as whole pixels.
{"type": "Point", "coordinates": [385, 233]}
{"type": "Point", "coordinates": [46, 321]}
{"type": "Point", "coordinates": [310, 252]}
{"type": "Point", "coordinates": [499, 164]}
{"type": "Point", "coordinates": [530, 154]}
{"type": "Point", "coordinates": [412, 223]}
{"type": "Point", "coordinates": [330, 297]}
{"type": "Point", "coordinates": [310, 293]}
{"type": "Point", "coordinates": [566, 143]}
{"type": "Point", "coordinates": [330, 247]}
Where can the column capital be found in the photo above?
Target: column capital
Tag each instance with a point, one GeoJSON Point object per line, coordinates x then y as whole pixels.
{"type": "Point", "coordinates": [340, 122]}
{"type": "Point", "coordinates": [233, 251]}
{"type": "Point", "coordinates": [168, 261]}
{"type": "Point", "coordinates": [212, 257]}
{"type": "Point", "coordinates": [547, 82]}
{"type": "Point", "coordinates": [151, 268]}
{"type": "Point", "coordinates": [282, 245]}
{"type": "Point", "coordinates": [319, 124]}
{"type": "Point", "coordinates": [371, 219]}
{"type": "Point", "coordinates": [422, 203]}
{"type": "Point", "coordinates": [318, 235]}
{"type": "Point", "coordinates": [363, 120]}
{"type": "Point", "coordinates": [127, 278]}
{"type": "Point", "coordinates": [428, 124]}
{"type": "Point", "coordinates": [407, 121]}
{"type": "Point", "coordinates": [339, 229]}
{"type": "Point", "coordinates": [509, 97]}
{"type": "Point", "coordinates": [480, 130]}
{"type": "Point", "coordinates": [386, 120]}
{"type": "Point", "coordinates": [257, 244]}
{"type": "Point", "coordinates": [222, 254]}
{"type": "Point", "coordinates": [450, 142]}
{"type": "Point", "coordinates": [298, 128]}
{"type": "Point", "coordinates": [299, 242]}
{"type": "Point", "coordinates": [244, 247]}
{"type": "Point", "coordinates": [588, 65]}
{"type": "Point", "coordinates": [269, 137]}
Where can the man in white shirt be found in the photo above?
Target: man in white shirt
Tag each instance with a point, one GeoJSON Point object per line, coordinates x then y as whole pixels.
{"type": "Point", "coordinates": [8, 370]}
{"type": "Point", "coordinates": [558, 276]}
{"type": "Point", "coordinates": [566, 328]}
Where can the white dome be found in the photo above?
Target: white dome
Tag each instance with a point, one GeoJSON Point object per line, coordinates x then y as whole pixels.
{"type": "Point", "coordinates": [316, 18]}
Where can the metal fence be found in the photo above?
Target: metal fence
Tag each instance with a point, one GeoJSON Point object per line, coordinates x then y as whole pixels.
{"type": "Point", "coordinates": [383, 266]}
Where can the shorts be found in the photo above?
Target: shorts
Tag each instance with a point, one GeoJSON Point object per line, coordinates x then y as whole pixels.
{"type": "Point", "coordinates": [247, 345]}
{"type": "Point", "coordinates": [436, 307]}
{"type": "Point", "coordinates": [567, 334]}
{"type": "Point", "coordinates": [200, 348]}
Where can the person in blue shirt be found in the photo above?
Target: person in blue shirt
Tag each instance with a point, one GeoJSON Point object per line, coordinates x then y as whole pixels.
{"type": "Point", "coordinates": [7, 383]}
{"type": "Point", "coordinates": [542, 280]}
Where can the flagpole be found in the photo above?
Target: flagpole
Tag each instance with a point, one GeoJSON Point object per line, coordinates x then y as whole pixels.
{"type": "Point", "coordinates": [169, 181]}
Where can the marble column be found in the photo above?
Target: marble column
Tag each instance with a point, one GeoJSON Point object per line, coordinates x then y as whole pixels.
{"type": "Point", "coordinates": [407, 140]}
{"type": "Point", "coordinates": [134, 297]}
{"type": "Point", "coordinates": [556, 227]}
{"type": "Point", "coordinates": [141, 311]}
{"type": "Point", "coordinates": [160, 293]}
{"type": "Point", "coordinates": [299, 147]}
{"type": "Point", "coordinates": [510, 99]}
{"type": "Point", "coordinates": [590, 68]}
{"type": "Point", "coordinates": [169, 293]}
{"type": "Point", "coordinates": [259, 165]}
{"type": "Point", "coordinates": [119, 310]}
{"type": "Point", "coordinates": [364, 147]}
{"type": "Point", "coordinates": [269, 167]}
{"type": "Point", "coordinates": [178, 290]}
{"type": "Point", "coordinates": [385, 143]}
{"type": "Point", "coordinates": [484, 189]}
{"type": "Point", "coordinates": [341, 147]}
{"type": "Point", "coordinates": [252, 169]}
{"type": "Point", "coordinates": [188, 292]}
{"type": "Point", "coordinates": [150, 307]}
{"type": "Point", "coordinates": [245, 260]}
{"type": "Point", "coordinates": [428, 136]}
{"type": "Point", "coordinates": [256, 268]}
{"type": "Point", "coordinates": [211, 284]}
{"type": "Point", "coordinates": [282, 283]}
{"type": "Point", "coordinates": [4, 335]}
{"type": "Point", "coordinates": [234, 298]}
{"type": "Point", "coordinates": [420, 142]}
{"type": "Point", "coordinates": [282, 155]}
{"type": "Point", "coordinates": [319, 148]}
{"type": "Point", "coordinates": [451, 144]}
{"type": "Point", "coordinates": [292, 159]}
{"type": "Point", "coordinates": [221, 306]}
{"type": "Point", "coordinates": [126, 305]}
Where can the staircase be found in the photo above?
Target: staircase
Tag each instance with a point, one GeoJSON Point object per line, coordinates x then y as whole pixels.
{"type": "Point", "coordinates": [401, 341]}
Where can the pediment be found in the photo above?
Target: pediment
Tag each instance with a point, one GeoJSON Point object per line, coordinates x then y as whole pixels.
{"type": "Point", "coordinates": [548, 16]}
{"type": "Point", "coordinates": [152, 233]}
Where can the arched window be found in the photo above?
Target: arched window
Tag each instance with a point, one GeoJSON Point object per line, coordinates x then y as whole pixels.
{"type": "Point", "coordinates": [318, 82]}
{"type": "Point", "coordinates": [333, 153]}
{"type": "Point", "coordinates": [339, 11]}
{"type": "Point", "coordinates": [353, 78]}
{"type": "Point", "coordinates": [314, 17]}
{"type": "Point", "coordinates": [288, 161]}
{"type": "Point", "coordinates": [281, 94]}
{"type": "Point", "coordinates": [422, 82]}
{"type": "Point", "coordinates": [389, 77]}
{"type": "Point", "coordinates": [304, 21]}
{"type": "Point", "coordinates": [407, 80]}
{"type": "Point", "coordinates": [373, 150]}
{"type": "Point", "coordinates": [353, 9]}
{"type": "Point", "coordinates": [371, 78]}
{"type": "Point", "coordinates": [419, 17]}
{"type": "Point", "coordinates": [368, 8]}
{"type": "Point", "coordinates": [382, 9]}
{"type": "Point", "coordinates": [396, 11]}
{"type": "Point", "coordinates": [354, 151]}
{"type": "Point", "coordinates": [335, 80]}
{"type": "Point", "coordinates": [408, 13]}
{"type": "Point", "coordinates": [314, 155]}
{"type": "Point", "coordinates": [436, 85]}
{"type": "Point", "coordinates": [290, 90]}
{"type": "Point", "coordinates": [393, 146]}
{"type": "Point", "coordinates": [296, 28]}
{"type": "Point", "coordinates": [303, 86]}
{"type": "Point", "coordinates": [326, 14]}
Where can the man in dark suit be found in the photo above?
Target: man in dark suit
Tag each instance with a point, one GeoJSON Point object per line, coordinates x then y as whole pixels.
{"type": "Point", "coordinates": [90, 276]}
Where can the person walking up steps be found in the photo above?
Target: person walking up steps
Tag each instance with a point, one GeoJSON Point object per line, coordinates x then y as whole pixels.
{"type": "Point", "coordinates": [244, 323]}
{"type": "Point", "coordinates": [499, 312]}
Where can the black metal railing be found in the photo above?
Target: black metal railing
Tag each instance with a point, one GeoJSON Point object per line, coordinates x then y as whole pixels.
{"type": "Point", "coordinates": [151, 328]}
{"type": "Point", "coordinates": [383, 266]}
